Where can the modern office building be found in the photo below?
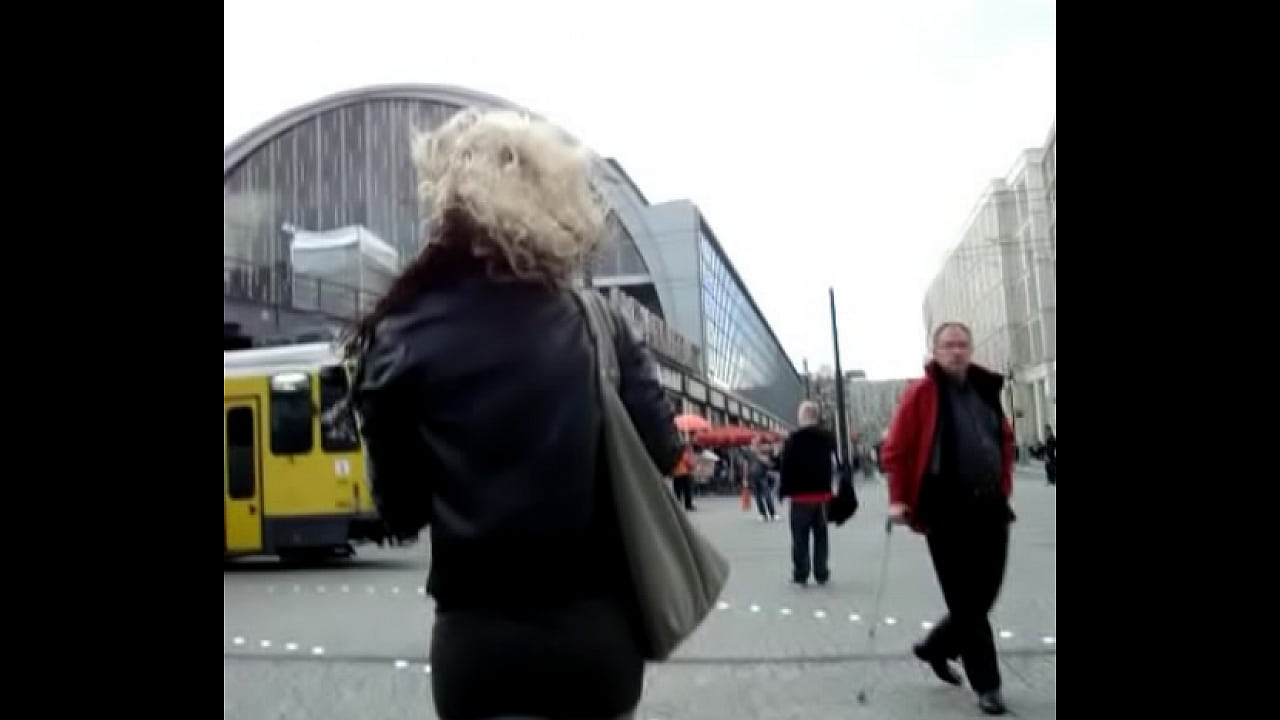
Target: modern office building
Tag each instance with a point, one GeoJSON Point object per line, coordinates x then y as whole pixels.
{"type": "Point", "coordinates": [340, 167]}
{"type": "Point", "coordinates": [872, 404]}
{"type": "Point", "coordinates": [971, 286]}
{"type": "Point", "coordinates": [1050, 171]}
{"type": "Point", "coordinates": [1034, 310]}
{"type": "Point", "coordinates": [1001, 279]}
{"type": "Point", "coordinates": [869, 404]}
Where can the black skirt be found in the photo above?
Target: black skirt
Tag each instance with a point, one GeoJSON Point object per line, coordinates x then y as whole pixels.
{"type": "Point", "coordinates": [578, 659]}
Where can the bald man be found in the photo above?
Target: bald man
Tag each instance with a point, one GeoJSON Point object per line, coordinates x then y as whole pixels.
{"type": "Point", "coordinates": [807, 473]}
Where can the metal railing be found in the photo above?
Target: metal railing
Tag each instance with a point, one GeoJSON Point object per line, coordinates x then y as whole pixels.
{"type": "Point", "coordinates": [279, 287]}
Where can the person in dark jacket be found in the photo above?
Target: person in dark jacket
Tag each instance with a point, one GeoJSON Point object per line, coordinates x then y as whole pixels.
{"type": "Point", "coordinates": [808, 471]}
{"type": "Point", "coordinates": [475, 387]}
{"type": "Point", "coordinates": [758, 462]}
{"type": "Point", "coordinates": [1050, 455]}
{"type": "Point", "coordinates": [682, 476]}
{"type": "Point", "coordinates": [774, 452]}
{"type": "Point", "coordinates": [950, 462]}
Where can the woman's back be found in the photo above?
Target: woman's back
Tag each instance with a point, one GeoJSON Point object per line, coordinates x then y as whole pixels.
{"type": "Point", "coordinates": [500, 376]}
{"type": "Point", "coordinates": [507, 409]}
{"type": "Point", "coordinates": [531, 586]}
{"type": "Point", "coordinates": [477, 391]}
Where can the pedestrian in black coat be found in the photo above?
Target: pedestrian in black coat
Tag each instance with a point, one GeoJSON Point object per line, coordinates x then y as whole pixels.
{"type": "Point", "coordinates": [475, 386]}
{"type": "Point", "coordinates": [1050, 455]}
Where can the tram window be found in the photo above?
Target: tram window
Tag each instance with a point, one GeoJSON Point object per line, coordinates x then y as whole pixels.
{"type": "Point", "coordinates": [337, 424]}
{"type": "Point", "coordinates": [291, 414]}
{"type": "Point", "coordinates": [241, 463]}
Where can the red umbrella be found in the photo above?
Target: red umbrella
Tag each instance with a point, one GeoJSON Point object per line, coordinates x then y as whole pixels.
{"type": "Point", "coordinates": [692, 423]}
{"type": "Point", "coordinates": [726, 436]}
{"type": "Point", "coordinates": [713, 438]}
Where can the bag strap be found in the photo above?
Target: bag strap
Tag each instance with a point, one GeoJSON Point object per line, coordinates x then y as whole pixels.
{"type": "Point", "coordinates": [603, 332]}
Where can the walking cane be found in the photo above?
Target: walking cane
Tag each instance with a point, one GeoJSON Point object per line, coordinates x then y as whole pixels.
{"type": "Point", "coordinates": [875, 616]}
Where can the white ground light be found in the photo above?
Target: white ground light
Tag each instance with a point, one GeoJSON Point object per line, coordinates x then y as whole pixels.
{"type": "Point", "coordinates": [722, 607]}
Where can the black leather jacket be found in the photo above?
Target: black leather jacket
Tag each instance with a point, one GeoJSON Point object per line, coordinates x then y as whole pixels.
{"type": "Point", "coordinates": [480, 422]}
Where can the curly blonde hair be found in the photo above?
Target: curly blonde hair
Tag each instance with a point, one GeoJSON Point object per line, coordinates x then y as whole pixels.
{"type": "Point", "coordinates": [523, 184]}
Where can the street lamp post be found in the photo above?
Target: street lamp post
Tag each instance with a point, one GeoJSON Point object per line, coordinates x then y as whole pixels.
{"type": "Point", "coordinates": [842, 421]}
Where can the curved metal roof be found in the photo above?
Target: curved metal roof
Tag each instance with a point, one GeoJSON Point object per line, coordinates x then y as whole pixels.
{"type": "Point", "coordinates": [243, 147]}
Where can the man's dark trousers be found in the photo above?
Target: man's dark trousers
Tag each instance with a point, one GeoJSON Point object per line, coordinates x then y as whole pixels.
{"type": "Point", "coordinates": [969, 557]}
{"type": "Point", "coordinates": [809, 518]}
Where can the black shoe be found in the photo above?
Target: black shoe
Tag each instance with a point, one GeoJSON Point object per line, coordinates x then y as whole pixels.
{"type": "Point", "coordinates": [823, 580]}
{"type": "Point", "coordinates": [800, 582]}
{"type": "Point", "coordinates": [940, 666]}
{"type": "Point", "coordinates": [991, 703]}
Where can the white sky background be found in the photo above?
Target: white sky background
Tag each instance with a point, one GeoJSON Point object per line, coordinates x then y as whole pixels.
{"type": "Point", "coordinates": [826, 142]}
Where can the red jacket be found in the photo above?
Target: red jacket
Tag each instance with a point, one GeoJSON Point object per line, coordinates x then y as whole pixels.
{"type": "Point", "coordinates": [906, 451]}
{"type": "Point", "coordinates": [686, 463]}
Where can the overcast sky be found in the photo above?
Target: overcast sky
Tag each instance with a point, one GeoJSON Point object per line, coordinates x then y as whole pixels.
{"type": "Point", "coordinates": [827, 143]}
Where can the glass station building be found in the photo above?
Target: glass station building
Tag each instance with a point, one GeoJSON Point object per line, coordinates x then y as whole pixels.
{"type": "Point", "coordinates": [337, 174]}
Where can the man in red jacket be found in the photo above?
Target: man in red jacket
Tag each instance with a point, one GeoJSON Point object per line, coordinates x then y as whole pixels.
{"type": "Point", "coordinates": [949, 456]}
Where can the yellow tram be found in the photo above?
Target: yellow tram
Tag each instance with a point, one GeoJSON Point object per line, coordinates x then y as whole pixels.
{"type": "Point", "coordinates": [293, 469]}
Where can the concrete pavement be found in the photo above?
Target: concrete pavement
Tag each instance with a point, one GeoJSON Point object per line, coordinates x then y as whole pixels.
{"type": "Point", "coordinates": [350, 640]}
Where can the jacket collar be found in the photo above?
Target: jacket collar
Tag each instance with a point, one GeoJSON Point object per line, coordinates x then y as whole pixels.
{"type": "Point", "coordinates": [983, 380]}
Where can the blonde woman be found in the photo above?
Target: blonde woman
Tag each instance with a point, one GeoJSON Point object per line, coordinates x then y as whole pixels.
{"type": "Point", "coordinates": [475, 388]}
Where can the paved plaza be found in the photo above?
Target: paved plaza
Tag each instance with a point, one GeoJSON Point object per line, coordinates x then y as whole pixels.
{"type": "Point", "coordinates": [349, 640]}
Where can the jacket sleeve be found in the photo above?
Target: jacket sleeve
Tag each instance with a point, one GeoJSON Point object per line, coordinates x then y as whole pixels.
{"type": "Point", "coordinates": [396, 460]}
{"type": "Point", "coordinates": [1006, 471]}
{"type": "Point", "coordinates": [786, 470]}
{"type": "Point", "coordinates": [644, 399]}
{"type": "Point", "coordinates": [900, 447]}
